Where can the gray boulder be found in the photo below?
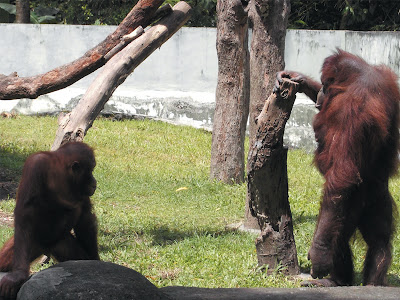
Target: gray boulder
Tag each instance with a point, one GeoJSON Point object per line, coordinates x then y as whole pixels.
{"type": "Point", "coordinates": [88, 280]}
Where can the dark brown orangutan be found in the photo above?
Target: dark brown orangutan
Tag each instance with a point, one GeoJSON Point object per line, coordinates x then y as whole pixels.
{"type": "Point", "coordinates": [358, 140]}
{"type": "Point", "coordinates": [52, 200]}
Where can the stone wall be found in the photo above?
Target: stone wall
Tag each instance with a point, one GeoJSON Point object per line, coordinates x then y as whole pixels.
{"type": "Point", "coordinates": [177, 82]}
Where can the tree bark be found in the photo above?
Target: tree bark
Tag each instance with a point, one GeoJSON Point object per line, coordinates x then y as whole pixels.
{"type": "Point", "coordinates": [268, 184]}
{"type": "Point", "coordinates": [269, 20]}
{"type": "Point", "coordinates": [232, 94]}
{"type": "Point", "coordinates": [14, 87]}
{"type": "Point", "coordinates": [23, 11]}
{"type": "Point", "coordinates": [73, 126]}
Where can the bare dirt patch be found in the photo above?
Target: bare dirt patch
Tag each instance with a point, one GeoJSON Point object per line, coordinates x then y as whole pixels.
{"type": "Point", "coordinates": [6, 219]}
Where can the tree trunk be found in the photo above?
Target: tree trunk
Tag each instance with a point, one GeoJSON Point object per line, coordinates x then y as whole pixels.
{"type": "Point", "coordinates": [23, 12]}
{"type": "Point", "coordinates": [4, 15]}
{"type": "Point", "coordinates": [269, 20]}
{"type": "Point", "coordinates": [73, 126]}
{"type": "Point", "coordinates": [13, 87]}
{"type": "Point", "coordinates": [232, 95]}
{"type": "Point", "coordinates": [268, 184]}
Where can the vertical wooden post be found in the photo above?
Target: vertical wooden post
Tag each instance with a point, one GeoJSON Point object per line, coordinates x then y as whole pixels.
{"type": "Point", "coordinates": [268, 183]}
{"type": "Point", "coordinates": [269, 20]}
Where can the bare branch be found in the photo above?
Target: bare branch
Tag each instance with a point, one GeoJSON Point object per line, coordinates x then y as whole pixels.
{"type": "Point", "coordinates": [73, 126]}
{"type": "Point", "coordinates": [125, 40]}
{"type": "Point", "coordinates": [12, 87]}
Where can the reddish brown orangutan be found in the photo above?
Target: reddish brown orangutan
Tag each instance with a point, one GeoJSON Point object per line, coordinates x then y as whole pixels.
{"type": "Point", "coordinates": [358, 140]}
{"type": "Point", "coordinates": [52, 200]}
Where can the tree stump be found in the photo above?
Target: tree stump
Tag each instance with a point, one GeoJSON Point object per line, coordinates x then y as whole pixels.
{"type": "Point", "coordinates": [269, 21]}
{"type": "Point", "coordinates": [268, 183]}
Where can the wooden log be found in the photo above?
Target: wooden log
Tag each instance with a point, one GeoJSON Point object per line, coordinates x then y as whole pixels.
{"type": "Point", "coordinates": [74, 125]}
{"type": "Point", "coordinates": [162, 12]}
{"type": "Point", "coordinates": [14, 87]}
{"type": "Point", "coordinates": [125, 40]}
{"type": "Point", "coordinates": [268, 183]}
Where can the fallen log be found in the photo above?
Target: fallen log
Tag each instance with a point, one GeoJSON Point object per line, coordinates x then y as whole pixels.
{"type": "Point", "coordinates": [74, 125]}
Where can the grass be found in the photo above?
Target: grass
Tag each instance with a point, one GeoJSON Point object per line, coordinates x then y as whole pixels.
{"type": "Point", "coordinates": [160, 214]}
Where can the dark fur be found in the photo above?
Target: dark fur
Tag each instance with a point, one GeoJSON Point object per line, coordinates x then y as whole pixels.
{"type": "Point", "coordinates": [358, 142]}
{"type": "Point", "coordinates": [52, 199]}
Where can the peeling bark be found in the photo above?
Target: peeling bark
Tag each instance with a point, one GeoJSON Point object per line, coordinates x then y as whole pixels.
{"type": "Point", "coordinates": [73, 126]}
{"type": "Point", "coordinates": [268, 183]}
{"type": "Point", "coordinates": [269, 20]}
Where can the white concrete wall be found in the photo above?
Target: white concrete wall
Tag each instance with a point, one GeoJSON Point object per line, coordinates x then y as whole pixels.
{"type": "Point", "coordinates": [177, 82]}
{"type": "Point", "coordinates": [306, 49]}
{"type": "Point", "coordinates": [187, 62]}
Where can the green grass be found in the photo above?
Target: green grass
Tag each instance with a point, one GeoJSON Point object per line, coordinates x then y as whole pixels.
{"type": "Point", "coordinates": [160, 214]}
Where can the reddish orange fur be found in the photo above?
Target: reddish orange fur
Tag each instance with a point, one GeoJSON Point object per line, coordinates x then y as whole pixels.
{"type": "Point", "coordinates": [53, 198]}
{"type": "Point", "coordinates": [357, 131]}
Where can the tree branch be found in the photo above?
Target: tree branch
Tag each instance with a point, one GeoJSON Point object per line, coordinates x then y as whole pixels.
{"type": "Point", "coordinates": [74, 125]}
{"type": "Point", "coordinates": [14, 87]}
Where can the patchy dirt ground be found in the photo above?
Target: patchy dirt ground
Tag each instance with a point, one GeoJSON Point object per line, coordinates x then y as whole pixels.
{"type": "Point", "coordinates": [6, 219]}
{"type": "Point", "coordinates": [8, 189]}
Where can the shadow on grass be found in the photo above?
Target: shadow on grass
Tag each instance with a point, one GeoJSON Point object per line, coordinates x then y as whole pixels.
{"type": "Point", "coordinates": [301, 219]}
{"type": "Point", "coordinates": [163, 235]}
{"type": "Point", "coordinates": [11, 163]}
{"type": "Point", "coordinates": [160, 235]}
{"type": "Point", "coordinates": [12, 159]}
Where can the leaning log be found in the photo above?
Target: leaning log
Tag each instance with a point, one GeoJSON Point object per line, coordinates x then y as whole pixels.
{"type": "Point", "coordinates": [74, 125]}
{"type": "Point", "coordinates": [268, 184]}
{"type": "Point", "coordinates": [14, 87]}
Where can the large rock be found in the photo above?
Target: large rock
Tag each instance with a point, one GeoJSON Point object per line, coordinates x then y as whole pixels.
{"type": "Point", "coordinates": [88, 280]}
